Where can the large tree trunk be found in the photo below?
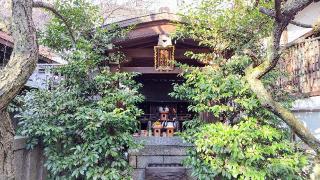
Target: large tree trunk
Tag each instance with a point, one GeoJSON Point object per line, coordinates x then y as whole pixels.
{"type": "Point", "coordinates": [13, 77]}
{"type": "Point", "coordinates": [6, 146]}
{"type": "Point", "coordinates": [25, 52]}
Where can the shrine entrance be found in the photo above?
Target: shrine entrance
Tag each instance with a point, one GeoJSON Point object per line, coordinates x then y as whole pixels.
{"type": "Point", "coordinates": [151, 50]}
{"type": "Point", "coordinates": [164, 115]}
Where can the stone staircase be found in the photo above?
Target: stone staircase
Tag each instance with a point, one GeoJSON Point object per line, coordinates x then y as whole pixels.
{"type": "Point", "coordinates": [160, 159]}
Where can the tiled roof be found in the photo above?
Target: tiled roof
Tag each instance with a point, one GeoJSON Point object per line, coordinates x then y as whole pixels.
{"type": "Point", "coordinates": [4, 36]}
{"type": "Point", "coordinates": [44, 52]}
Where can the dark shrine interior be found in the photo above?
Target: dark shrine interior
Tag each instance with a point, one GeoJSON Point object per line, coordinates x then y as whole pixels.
{"type": "Point", "coordinates": [156, 89]}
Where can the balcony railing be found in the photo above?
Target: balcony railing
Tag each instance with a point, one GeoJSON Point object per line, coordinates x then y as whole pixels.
{"type": "Point", "coordinates": [302, 63]}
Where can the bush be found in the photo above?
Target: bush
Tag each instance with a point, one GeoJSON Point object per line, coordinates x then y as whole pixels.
{"type": "Point", "coordinates": [240, 139]}
{"type": "Point", "coordinates": [243, 140]}
{"type": "Point", "coordinates": [86, 119]}
{"type": "Point", "coordinates": [85, 124]}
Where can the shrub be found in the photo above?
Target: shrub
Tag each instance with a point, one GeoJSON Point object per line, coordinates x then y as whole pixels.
{"type": "Point", "coordinates": [85, 120]}
{"type": "Point", "coordinates": [242, 140]}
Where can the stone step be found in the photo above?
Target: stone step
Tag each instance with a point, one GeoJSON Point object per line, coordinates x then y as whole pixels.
{"type": "Point", "coordinates": [161, 151]}
{"type": "Point", "coordinates": [165, 172]}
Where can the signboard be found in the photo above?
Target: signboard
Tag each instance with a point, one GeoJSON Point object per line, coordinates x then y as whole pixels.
{"type": "Point", "coordinates": [164, 58]}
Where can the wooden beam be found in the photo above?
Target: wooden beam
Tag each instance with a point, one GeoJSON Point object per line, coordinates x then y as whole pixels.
{"type": "Point", "coordinates": [149, 53]}
{"type": "Point", "coordinates": [9, 44]}
{"type": "Point", "coordinates": [149, 70]}
{"type": "Point", "coordinates": [138, 42]}
{"type": "Point", "coordinates": [6, 43]}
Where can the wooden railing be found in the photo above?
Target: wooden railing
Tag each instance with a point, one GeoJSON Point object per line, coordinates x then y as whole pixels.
{"type": "Point", "coordinates": [301, 61]}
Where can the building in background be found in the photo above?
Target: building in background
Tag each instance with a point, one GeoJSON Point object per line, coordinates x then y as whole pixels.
{"type": "Point", "coordinates": [42, 73]}
{"type": "Point", "coordinates": [302, 62]}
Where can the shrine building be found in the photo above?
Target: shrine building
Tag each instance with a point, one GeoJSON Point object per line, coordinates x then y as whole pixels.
{"type": "Point", "coordinates": [150, 51]}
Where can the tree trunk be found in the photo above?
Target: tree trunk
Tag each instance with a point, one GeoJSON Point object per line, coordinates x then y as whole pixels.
{"type": "Point", "coordinates": [24, 56]}
{"type": "Point", "coordinates": [6, 146]}
{"type": "Point", "coordinates": [315, 174]}
{"type": "Point", "coordinates": [286, 115]}
{"type": "Point", "coordinates": [13, 77]}
{"type": "Point", "coordinates": [283, 16]}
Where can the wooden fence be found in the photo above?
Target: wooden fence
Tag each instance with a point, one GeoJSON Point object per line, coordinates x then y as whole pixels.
{"type": "Point", "coordinates": [302, 63]}
{"type": "Point", "coordinates": [29, 164]}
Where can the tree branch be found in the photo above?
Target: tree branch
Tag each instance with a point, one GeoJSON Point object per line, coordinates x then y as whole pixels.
{"type": "Point", "coordinates": [292, 7]}
{"type": "Point", "coordinates": [272, 13]}
{"type": "Point", "coordinates": [277, 7]}
{"type": "Point", "coordinates": [301, 24]}
{"type": "Point", "coordinates": [49, 7]}
{"type": "Point", "coordinates": [267, 101]}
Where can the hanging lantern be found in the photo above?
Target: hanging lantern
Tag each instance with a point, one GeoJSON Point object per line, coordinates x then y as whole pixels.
{"type": "Point", "coordinates": [164, 54]}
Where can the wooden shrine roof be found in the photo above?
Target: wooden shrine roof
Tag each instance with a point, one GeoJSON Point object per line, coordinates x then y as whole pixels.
{"type": "Point", "coordinates": [139, 44]}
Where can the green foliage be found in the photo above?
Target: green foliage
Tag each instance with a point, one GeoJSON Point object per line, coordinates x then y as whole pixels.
{"type": "Point", "coordinates": [227, 25]}
{"type": "Point", "coordinates": [85, 124]}
{"type": "Point", "coordinates": [81, 15]}
{"type": "Point", "coordinates": [247, 150]}
{"type": "Point", "coordinates": [245, 141]}
{"type": "Point", "coordinates": [215, 88]}
{"type": "Point", "coordinates": [242, 140]}
{"type": "Point", "coordinates": [85, 120]}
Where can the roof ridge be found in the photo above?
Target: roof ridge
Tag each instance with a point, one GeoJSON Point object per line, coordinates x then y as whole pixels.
{"type": "Point", "coordinates": [146, 18]}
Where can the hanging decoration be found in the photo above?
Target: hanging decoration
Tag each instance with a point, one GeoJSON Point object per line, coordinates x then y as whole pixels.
{"type": "Point", "coordinates": [164, 54]}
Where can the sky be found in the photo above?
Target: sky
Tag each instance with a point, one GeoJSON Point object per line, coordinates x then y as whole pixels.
{"type": "Point", "coordinates": [173, 5]}
{"type": "Point", "coordinates": [155, 5]}
{"type": "Point", "coordinates": [136, 8]}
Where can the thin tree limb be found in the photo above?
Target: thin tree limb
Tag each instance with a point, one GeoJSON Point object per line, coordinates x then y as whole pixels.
{"type": "Point", "coordinates": [299, 24]}
{"type": "Point", "coordinates": [277, 7]}
{"type": "Point", "coordinates": [51, 8]}
{"type": "Point", "coordinates": [272, 13]}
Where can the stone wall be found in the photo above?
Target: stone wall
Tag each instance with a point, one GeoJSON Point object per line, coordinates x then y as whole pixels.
{"type": "Point", "coordinates": [157, 150]}
{"type": "Point", "coordinates": [308, 111]}
{"type": "Point", "coordinates": [29, 164]}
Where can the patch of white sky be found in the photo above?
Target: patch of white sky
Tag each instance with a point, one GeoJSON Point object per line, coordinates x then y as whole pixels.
{"type": "Point", "coordinates": [174, 6]}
